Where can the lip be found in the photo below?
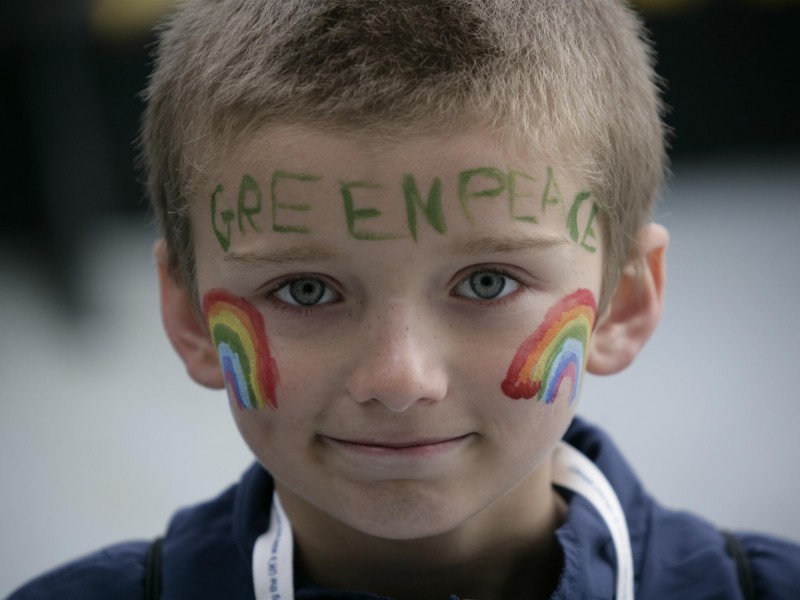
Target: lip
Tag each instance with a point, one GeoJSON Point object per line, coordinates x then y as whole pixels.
{"type": "Point", "coordinates": [398, 457]}
{"type": "Point", "coordinates": [401, 446]}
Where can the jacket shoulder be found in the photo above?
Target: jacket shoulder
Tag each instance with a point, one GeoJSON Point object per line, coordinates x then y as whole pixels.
{"type": "Point", "coordinates": [774, 564]}
{"type": "Point", "coordinates": [113, 572]}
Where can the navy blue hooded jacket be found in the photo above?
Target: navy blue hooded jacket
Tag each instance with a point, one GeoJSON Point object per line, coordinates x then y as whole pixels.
{"type": "Point", "coordinates": [207, 550]}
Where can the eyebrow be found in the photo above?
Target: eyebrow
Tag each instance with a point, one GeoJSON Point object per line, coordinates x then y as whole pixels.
{"type": "Point", "coordinates": [284, 256]}
{"type": "Point", "coordinates": [318, 254]}
{"type": "Point", "coordinates": [492, 245]}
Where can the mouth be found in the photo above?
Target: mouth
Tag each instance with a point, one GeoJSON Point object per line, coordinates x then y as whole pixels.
{"type": "Point", "coordinates": [402, 444]}
{"type": "Point", "coordinates": [419, 447]}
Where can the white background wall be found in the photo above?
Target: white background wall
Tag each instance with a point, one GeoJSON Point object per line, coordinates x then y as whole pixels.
{"type": "Point", "coordinates": [102, 435]}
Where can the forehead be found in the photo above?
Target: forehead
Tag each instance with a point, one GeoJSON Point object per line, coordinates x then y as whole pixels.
{"type": "Point", "coordinates": [297, 186]}
{"type": "Point", "coordinates": [375, 153]}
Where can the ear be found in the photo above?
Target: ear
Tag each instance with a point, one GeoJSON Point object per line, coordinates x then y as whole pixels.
{"type": "Point", "coordinates": [635, 309]}
{"type": "Point", "coordinates": [184, 325]}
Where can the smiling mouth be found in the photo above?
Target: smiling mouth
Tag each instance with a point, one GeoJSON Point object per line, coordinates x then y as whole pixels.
{"type": "Point", "coordinates": [401, 444]}
{"type": "Point", "coordinates": [416, 448]}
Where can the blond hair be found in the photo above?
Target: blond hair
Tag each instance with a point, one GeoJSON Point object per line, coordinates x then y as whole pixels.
{"type": "Point", "coordinates": [569, 78]}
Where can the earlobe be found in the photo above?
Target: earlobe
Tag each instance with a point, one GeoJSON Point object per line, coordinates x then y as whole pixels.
{"type": "Point", "coordinates": [184, 326]}
{"type": "Point", "coordinates": [635, 308]}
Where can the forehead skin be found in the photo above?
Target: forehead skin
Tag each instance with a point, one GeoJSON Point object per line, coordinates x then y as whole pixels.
{"type": "Point", "coordinates": [301, 195]}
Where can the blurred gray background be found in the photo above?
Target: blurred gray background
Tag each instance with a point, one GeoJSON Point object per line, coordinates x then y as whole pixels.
{"type": "Point", "coordinates": [102, 434]}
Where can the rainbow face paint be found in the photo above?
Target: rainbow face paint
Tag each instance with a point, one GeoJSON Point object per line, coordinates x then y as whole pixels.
{"type": "Point", "coordinates": [555, 352]}
{"type": "Point", "coordinates": [237, 329]}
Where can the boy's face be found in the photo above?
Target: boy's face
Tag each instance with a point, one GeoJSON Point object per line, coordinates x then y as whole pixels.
{"type": "Point", "coordinates": [402, 328]}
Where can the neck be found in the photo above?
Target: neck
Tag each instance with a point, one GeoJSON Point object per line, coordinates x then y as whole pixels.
{"type": "Point", "coordinates": [508, 551]}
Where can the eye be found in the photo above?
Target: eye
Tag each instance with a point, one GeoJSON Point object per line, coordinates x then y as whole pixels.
{"type": "Point", "coordinates": [305, 291]}
{"type": "Point", "coordinates": [487, 284]}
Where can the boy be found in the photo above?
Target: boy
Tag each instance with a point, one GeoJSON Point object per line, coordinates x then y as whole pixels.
{"type": "Point", "coordinates": [398, 233]}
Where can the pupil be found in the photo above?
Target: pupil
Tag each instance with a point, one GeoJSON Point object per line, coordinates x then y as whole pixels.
{"type": "Point", "coordinates": [307, 291]}
{"type": "Point", "coordinates": [487, 285]}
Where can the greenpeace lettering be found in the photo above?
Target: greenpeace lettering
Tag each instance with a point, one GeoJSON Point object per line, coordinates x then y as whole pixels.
{"type": "Point", "coordinates": [526, 199]}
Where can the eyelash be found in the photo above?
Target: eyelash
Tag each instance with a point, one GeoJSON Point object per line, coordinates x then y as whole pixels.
{"type": "Point", "coordinates": [490, 302]}
{"type": "Point", "coordinates": [298, 309]}
{"type": "Point", "coordinates": [301, 310]}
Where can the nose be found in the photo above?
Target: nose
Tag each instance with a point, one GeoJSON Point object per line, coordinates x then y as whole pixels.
{"type": "Point", "coordinates": [399, 363]}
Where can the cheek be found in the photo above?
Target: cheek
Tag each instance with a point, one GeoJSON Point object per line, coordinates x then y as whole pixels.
{"type": "Point", "coordinates": [550, 362]}
{"type": "Point", "coordinates": [237, 328]}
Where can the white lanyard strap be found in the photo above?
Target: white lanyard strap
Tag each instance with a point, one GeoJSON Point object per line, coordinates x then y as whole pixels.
{"type": "Point", "coordinates": [574, 471]}
{"type": "Point", "coordinates": [273, 553]}
{"type": "Point", "coordinates": [273, 576]}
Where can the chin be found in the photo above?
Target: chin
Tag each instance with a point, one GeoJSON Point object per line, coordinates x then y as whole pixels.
{"type": "Point", "coordinates": [394, 515]}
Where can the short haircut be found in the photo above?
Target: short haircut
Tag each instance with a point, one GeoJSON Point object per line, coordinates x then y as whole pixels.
{"type": "Point", "coordinates": [571, 79]}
